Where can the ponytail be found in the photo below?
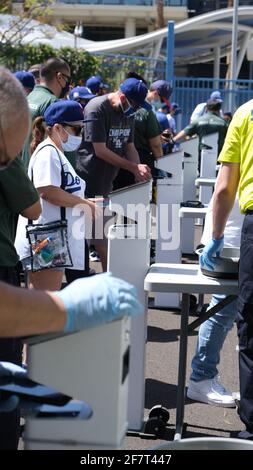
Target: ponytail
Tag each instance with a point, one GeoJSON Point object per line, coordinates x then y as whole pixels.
{"type": "Point", "coordinates": [38, 133]}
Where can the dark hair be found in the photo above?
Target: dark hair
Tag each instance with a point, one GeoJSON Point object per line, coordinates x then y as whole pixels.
{"type": "Point", "coordinates": [35, 70]}
{"type": "Point", "coordinates": [39, 132]}
{"type": "Point", "coordinates": [51, 67]}
{"type": "Point", "coordinates": [132, 74]}
{"type": "Point", "coordinates": [214, 106]}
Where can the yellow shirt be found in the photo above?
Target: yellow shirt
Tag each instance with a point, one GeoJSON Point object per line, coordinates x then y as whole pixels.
{"type": "Point", "coordinates": [238, 148]}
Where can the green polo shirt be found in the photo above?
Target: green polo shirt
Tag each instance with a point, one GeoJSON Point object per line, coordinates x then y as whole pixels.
{"type": "Point", "coordinates": [38, 101]}
{"type": "Point", "coordinates": [146, 127]}
{"type": "Point", "coordinates": [207, 124]}
{"type": "Point", "coordinates": [17, 193]}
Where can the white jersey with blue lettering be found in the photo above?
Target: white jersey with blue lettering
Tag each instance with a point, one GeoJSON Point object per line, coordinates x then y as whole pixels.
{"type": "Point", "coordinates": [45, 169]}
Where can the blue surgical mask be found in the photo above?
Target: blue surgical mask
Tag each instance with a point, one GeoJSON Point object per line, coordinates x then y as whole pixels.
{"type": "Point", "coordinates": [130, 111]}
{"type": "Point", "coordinates": [73, 143]}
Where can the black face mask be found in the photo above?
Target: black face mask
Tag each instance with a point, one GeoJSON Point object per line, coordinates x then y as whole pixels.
{"type": "Point", "coordinates": [65, 89]}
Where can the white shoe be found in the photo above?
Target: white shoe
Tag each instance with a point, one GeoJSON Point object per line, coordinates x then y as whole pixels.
{"type": "Point", "coordinates": [94, 256]}
{"type": "Point", "coordinates": [211, 391]}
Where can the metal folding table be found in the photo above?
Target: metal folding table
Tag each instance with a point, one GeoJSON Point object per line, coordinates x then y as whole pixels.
{"type": "Point", "coordinates": [187, 279]}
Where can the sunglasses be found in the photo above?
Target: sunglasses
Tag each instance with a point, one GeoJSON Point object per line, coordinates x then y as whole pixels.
{"type": "Point", "coordinates": [5, 160]}
{"type": "Point", "coordinates": [67, 77]}
{"type": "Point", "coordinates": [78, 130]}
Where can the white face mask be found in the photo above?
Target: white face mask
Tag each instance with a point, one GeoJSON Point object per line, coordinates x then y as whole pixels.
{"type": "Point", "coordinates": [73, 143]}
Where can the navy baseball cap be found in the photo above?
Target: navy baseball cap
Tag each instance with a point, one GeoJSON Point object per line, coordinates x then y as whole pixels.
{"type": "Point", "coordinates": [94, 83]}
{"type": "Point", "coordinates": [176, 108]}
{"type": "Point", "coordinates": [65, 112]}
{"type": "Point", "coordinates": [26, 78]}
{"type": "Point", "coordinates": [136, 91]}
{"type": "Point", "coordinates": [81, 92]}
{"type": "Point", "coordinates": [163, 88]}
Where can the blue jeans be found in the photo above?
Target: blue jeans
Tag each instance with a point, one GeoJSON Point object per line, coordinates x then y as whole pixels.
{"type": "Point", "coordinates": [212, 334]}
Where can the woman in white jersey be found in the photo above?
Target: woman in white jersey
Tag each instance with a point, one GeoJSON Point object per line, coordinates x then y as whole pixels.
{"type": "Point", "coordinates": [62, 126]}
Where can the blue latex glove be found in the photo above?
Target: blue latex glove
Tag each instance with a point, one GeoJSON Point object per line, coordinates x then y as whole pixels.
{"type": "Point", "coordinates": [214, 247]}
{"type": "Point", "coordinates": [98, 300]}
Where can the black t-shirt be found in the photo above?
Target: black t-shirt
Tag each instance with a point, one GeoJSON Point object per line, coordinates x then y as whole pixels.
{"type": "Point", "coordinates": [111, 127]}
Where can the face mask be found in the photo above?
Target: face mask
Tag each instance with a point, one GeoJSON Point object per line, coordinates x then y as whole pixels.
{"type": "Point", "coordinates": [156, 104]}
{"type": "Point", "coordinates": [130, 111]}
{"type": "Point", "coordinates": [64, 90]}
{"type": "Point", "coordinates": [72, 144]}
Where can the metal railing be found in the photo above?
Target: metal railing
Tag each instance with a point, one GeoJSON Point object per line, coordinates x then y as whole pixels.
{"type": "Point", "coordinates": [188, 92]}
{"type": "Point", "coordinates": [167, 3]}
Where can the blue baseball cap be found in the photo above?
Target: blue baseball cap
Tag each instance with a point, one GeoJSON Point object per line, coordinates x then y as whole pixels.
{"type": "Point", "coordinates": [94, 83]}
{"type": "Point", "coordinates": [163, 120]}
{"type": "Point", "coordinates": [81, 92]}
{"type": "Point", "coordinates": [216, 96]}
{"type": "Point", "coordinates": [163, 88]}
{"type": "Point", "coordinates": [176, 108]}
{"type": "Point", "coordinates": [136, 91]}
{"type": "Point", "coordinates": [65, 112]}
{"type": "Point", "coordinates": [26, 78]}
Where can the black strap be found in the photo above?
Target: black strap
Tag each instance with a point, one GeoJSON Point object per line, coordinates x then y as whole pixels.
{"type": "Point", "coordinates": [63, 209]}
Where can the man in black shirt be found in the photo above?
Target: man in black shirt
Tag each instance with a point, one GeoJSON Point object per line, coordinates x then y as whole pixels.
{"type": "Point", "coordinates": [108, 143]}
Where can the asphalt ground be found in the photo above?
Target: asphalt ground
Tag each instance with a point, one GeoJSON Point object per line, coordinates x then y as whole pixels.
{"type": "Point", "coordinates": [162, 352]}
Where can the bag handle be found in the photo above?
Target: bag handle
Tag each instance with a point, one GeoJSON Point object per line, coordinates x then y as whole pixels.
{"type": "Point", "coordinates": [62, 209]}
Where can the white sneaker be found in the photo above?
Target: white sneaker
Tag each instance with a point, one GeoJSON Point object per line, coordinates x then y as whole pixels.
{"type": "Point", "coordinates": [211, 391]}
{"type": "Point", "coordinates": [94, 256]}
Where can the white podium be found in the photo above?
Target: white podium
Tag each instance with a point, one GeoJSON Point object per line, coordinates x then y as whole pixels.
{"type": "Point", "coordinates": [169, 197]}
{"type": "Point", "coordinates": [208, 164]}
{"type": "Point", "coordinates": [190, 173]}
{"type": "Point", "coordinates": [92, 366]}
{"type": "Point", "coordinates": [128, 258]}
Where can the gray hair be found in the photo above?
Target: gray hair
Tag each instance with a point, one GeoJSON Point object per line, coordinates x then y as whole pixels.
{"type": "Point", "coordinates": [13, 101]}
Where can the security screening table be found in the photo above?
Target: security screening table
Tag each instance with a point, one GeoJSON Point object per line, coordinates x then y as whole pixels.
{"type": "Point", "coordinates": [187, 279]}
{"type": "Point", "coordinates": [205, 182]}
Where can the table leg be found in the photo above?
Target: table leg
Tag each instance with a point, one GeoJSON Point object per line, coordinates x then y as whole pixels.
{"type": "Point", "coordinates": [182, 366]}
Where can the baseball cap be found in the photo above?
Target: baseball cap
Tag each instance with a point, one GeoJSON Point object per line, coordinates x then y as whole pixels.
{"type": "Point", "coordinates": [163, 88]}
{"type": "Point", "coordinates": [65, 112]}
{"type": "Point", "coordinates": [81, 92]}
{"type": "Point", "coordinates": [176, 108]}
{"type": "Point", "coordinates": [213, 102]}
{"type": "Point", "coordinates": [163, 120]}
{"type": "Point", "coordinates": [94, 83]}
{"type": "Point", "coordinates": [26, 78]}
{"type": "Point", "coordinates": [135, 90]}
{"type": "Point", "coordinates": [216, 95]}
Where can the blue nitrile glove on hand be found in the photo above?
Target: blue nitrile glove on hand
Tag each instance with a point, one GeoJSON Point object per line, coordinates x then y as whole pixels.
{"type": "Point", "coordinates": [214, 247]}
{"type": "Point", "coordinates": [98, 300]}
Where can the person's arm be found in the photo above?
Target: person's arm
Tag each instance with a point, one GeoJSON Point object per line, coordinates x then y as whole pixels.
{"type": "Point", "coordinates": [61, 198]}
{"type": "Point", "coordinates": [224, 196]}
{"type": "Point", "coordinates": [19, 191]}
{"type": "Point", "coordinates": [156, 146]}
{"type": "Point", "coordinates": [84, 303]}
{"type": "Point", "coordinates": [33, 212]}
{"type": "Point", "coordinates": [140, 171]}
{"type": "Point", "coordinates": [24, 312]}
{"type": "Point", "coordinates": [111, 157]}
{"type": "Point", "coordinates": [180, 136]}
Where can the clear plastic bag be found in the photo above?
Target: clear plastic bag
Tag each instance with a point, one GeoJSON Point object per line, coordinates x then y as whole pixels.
{"type": "Point", "coordinates": [49, 245]}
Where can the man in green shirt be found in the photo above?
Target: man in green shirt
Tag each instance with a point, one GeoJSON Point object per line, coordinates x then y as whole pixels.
{"type": "Point", "coordinates": [17, 196]}
{"type": "Point", "coordinates": [54, 84]}
{"type": "Point", "coordinates": [209, 123]}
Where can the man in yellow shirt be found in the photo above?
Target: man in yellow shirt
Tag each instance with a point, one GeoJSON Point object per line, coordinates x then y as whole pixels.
{"type": "Point", "coordinates": [236, 173]}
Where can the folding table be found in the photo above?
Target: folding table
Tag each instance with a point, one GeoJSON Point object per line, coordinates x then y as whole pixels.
{"type": "Point", "coordinates": [187, 279]}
